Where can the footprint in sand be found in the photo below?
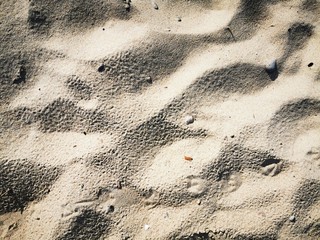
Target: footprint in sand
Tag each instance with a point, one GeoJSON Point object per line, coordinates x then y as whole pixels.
{"type": "Point", "coordinates": [232, 183]}
{"type": "Point", "coordinates": [196, 185]}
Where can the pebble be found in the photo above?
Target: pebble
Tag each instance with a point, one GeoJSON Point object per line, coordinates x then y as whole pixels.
{"type": "Point", "coordinates": [119, 185]}
{"type": "Point", "coordinates": [101, 68]}
{"type": "Point", "coordinates": [272, 66]}
{"type": "Point", "coordinates": [20, 75]}
{"type": "Point", "coordinates": [292, 218]}
{"type": "Point", "coordinates": [189, 119]}
{"type": "Point", "coordinates": [154, 5]}
{"type": "Point", "coordinates": [127, 6]}
{"type": "Point", "coordinates": [149, 79]}
{"type": "Point", "coordinates": [146, 227]}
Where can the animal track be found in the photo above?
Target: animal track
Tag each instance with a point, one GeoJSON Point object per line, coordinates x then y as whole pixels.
{"type": "Point", "coordinates": [196, 186]}
{"type": "Point", "coordinates": [233, 183]}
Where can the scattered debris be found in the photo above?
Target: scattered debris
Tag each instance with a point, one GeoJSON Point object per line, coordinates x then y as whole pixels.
{"type": "Point", "coordinates": [187, 158]}
{"type": "Point", "coordinates": [189, 119]}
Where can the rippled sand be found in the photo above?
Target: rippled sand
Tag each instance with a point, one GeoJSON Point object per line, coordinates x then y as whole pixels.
{"type": "Point", "coordinates": [160, 120]}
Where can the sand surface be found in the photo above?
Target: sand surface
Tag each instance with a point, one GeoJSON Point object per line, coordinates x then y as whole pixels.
{"type": "Point", "coordinates": [159, 119]}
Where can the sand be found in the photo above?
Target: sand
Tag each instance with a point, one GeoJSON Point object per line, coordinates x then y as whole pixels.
{"type": "Point", "coordinates": [160, 119]}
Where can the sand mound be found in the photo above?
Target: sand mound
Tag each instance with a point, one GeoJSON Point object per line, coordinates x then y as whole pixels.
{"type": "Point", "coordinates": [160, 119]}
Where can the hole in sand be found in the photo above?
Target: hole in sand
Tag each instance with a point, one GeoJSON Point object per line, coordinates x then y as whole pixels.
{"type": "Point", "coordinates": [111, 209]}
{"type": "Point", "coordinates": [102, 68]}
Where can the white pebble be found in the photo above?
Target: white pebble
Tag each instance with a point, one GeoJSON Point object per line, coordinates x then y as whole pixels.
{"type": "Point", "coordinates": [146, 227]}
{"type": "Point", "coordinates": [272, 66]}
{"type": "Point", "coordinates": [292, 218]}
{"type": "Point", "coordinates": [189, 119]}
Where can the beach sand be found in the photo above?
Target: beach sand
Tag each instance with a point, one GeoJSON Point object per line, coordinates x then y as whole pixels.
{"type": "Point", "coordinates": [160, 119]}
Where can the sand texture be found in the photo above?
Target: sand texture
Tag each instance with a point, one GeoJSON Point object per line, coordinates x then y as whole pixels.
{"type": "Point", "coordinates": [161, 119]}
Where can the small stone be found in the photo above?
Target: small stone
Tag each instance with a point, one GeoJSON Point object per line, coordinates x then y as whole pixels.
{"type": "Point", "coordinates": [199, 202]}
{"type": "Point", "coordinates": [101, 68]}
{"type": "Point", "coordinates": [292, 218]}
{"type": "Point", "coordinates": [179, 19]}
{"type": "Point", "coordinates": [20, 76]}
{"type": "Point", "coordinates": [154, 5]}
{"type": "Point", "coordinates": [119, 185]}
{"type": "Point", "coordinates": [189, 119]}
{"type": "Point", "coordinates": [127, 6]}
{"type": "Point", "coordinates": [146, 227]}
{"type": "Point", "coordinates": [272, 66]}
{"type": "Point", "coordinates": [149, 80]}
